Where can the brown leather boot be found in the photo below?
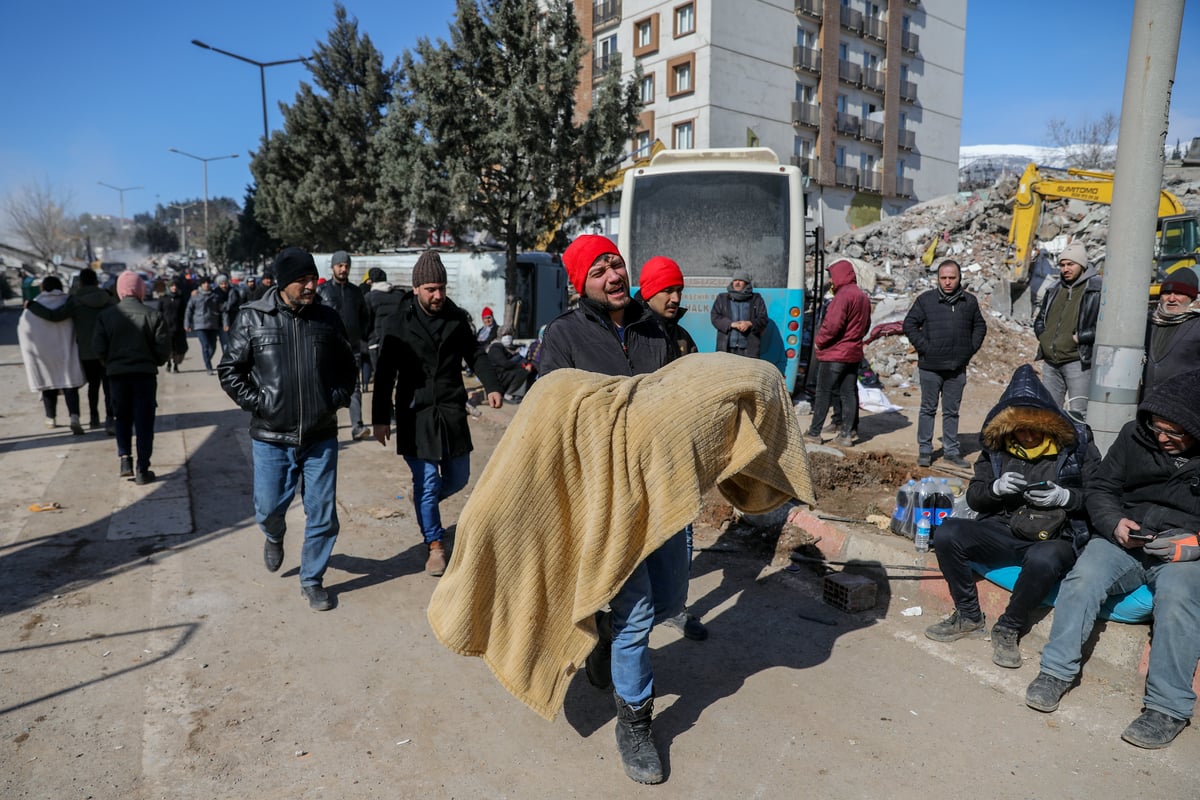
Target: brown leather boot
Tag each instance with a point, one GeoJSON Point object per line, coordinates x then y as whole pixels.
{"type": "Point", "coordinates": [435, 565]}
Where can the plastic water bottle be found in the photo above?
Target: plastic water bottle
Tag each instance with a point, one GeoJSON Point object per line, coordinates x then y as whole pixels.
{"type": "Point", "coordinates": [921, 539]}
{"type": "Point", "coordinates": [902, 516]}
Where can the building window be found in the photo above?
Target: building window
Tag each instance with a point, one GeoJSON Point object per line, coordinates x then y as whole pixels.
{"type": "Point", "coordinates": [685, 19]}
{"type": "Point", "coordinates": [839, 156]}
{"type": "Point", "coordinates": [683, 135]}
{"type": "Point", "coordinates": [647, 89]}
{"type": "Point", "coordinates": [642, 143]}
{"type": "Point", "coordinates": [681, 74]}
{"type": "Point", "coordinates": [645, 36]}
{"type": "Point", "coordinates": [900, 168]}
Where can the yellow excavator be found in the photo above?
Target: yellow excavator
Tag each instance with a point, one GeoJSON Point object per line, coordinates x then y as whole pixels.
{"type": "Point", "coordinates": [611, 184]}
{"type": "Point", "coordinates": [1177, 245]}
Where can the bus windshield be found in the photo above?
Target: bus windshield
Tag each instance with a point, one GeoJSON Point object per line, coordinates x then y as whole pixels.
{"type": "Point", "coordinates": [712, 223]}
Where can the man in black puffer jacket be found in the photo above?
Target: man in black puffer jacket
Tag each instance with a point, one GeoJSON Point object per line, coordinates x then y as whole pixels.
{"type": "Point", "coordinates": [290, 365]}
{"type": "Point", "coordinates": [947, 329]}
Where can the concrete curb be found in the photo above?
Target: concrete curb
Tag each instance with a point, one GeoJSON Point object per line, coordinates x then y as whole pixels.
{"type": "Point", "coordinates": [1120, 649]}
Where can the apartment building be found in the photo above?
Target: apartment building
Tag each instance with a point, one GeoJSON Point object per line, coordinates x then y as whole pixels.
{"type": "Point", "coordinates": [865, 96]}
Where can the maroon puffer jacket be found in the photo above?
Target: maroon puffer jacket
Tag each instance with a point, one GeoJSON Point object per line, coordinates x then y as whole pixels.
{"type": "Point", "coordinates": [847, 319]}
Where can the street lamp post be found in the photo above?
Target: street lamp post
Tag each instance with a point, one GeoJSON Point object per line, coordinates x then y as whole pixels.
{"type": "Point", "coordinates": [183, 225]}
{"type": "Point", "coordinates": [262, 77]}
{"type": "Point", "coordinates": [205, 162]}
{"type": "Point", "coordinates": [121, 191]}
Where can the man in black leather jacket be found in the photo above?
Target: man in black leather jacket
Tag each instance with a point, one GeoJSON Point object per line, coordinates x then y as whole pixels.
{"type": "Point", "coordinates": [290, 365]}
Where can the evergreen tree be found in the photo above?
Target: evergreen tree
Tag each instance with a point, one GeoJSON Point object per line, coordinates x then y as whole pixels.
{"type": "Point", "coordinates": [255, 245]}
{"type": "Point", "coordinates": [493, 113]}
{"type": "Point", "coordinates": [317, 179]}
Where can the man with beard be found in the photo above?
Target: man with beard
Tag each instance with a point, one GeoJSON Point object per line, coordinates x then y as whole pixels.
{"type": "Point", "coordinates": [610, 334]}
{"type": "Point", "coordinates": [420, 364]}
{"type": "Point", "coordinates": [290, 365]}
{"type": "Point", "coordinates": [347, 299]}
{"type": "Point", "coordinates": [1066, 330]}
{"type": "Point", "coordinates": [1173, 336]}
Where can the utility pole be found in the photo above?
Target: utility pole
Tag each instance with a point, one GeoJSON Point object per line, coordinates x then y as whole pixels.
{"type": "Point", "coordinates": [121, 191]}
{"type": "Point", "coordinates": [1120, 332]}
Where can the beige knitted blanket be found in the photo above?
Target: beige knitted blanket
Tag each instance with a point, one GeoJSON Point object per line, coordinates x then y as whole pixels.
{"type": "Point", "coordinates": [593, 474]}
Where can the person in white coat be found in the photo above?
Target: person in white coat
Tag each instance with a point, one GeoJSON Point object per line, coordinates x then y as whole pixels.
{"type": "Point", "coordinates": [51, 355]}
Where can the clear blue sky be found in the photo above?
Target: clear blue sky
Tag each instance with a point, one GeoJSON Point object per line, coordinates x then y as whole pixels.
{"type": "Point", "coordinates": [100, 91]}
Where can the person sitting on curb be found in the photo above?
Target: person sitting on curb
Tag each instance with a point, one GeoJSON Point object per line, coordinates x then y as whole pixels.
{"type": "Point", "coordinates": [1144, 503]}
{"type": "Point", "coordinates": [1034, 456]}
{"type": "Point", "coordinates": [514, 372]}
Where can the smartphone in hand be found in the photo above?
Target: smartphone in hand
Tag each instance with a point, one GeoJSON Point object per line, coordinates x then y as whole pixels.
{"type": "Point", "coordinates": [1032, 487]}
{"type": "Point", "coordinates": [1143, 536]}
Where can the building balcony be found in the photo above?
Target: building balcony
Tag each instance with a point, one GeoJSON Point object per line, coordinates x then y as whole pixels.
{"type": "Point", "coordinates": [605, 13]}
{"type": "Point", "coordinates": [847, 124]}
{"type": "Point", "coordinates": [904, 187]}
{"type": "Point", "coordinates": [846, 176]}
{"type": "Point", "coordinates": [907, 140]}
{"type": "Point", "coordinates": [807, 165]}
{"type": "Point", "coordinates": [874, 29]}
{"type": "Point", "coordinates": [852, 20]}
{"type": "Point", "coordinates": [872, 131]}
{"type": "Point", "coordinates": [871, 181]}
{"type": "Point", "coordinates": [849, 73]}
{"type": "Point", "coordinates": [909, 42]}
{"type": "Point", "coordinates": [806, 114]}
{"type": "Point", "coordinates": [807, 59]}
{"type": "Point", "coordinates": [874, 79]}
{"type": "Point", "coordinates": [602, 64]}
{"type": "Point", "coordinates": [809, 8]}
{"type": "Point", "coordinates": [908, 91]}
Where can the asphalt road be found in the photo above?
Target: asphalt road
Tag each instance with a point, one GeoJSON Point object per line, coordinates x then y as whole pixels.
{"type": "Point", "coordinates": [146, 653]}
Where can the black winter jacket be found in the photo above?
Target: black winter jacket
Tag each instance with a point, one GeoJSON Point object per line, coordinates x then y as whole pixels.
{"type": "Point", "coordinates": [430, 399]}
{"type": "Point", "coordinates": [131, 339]}
{"type": "Point", "coordinates": [584, 338]}
{"type": "Point", "coordinates": [382, 301]}
{"type": "Point", "coordinates": [721, 317]}
{"type": "Point", "coordinates": [1085, 326]}
{"type": "Point", "coordinates": [347, 300]}
{"type": "Point", "coordinates": [292, 370]}
{"type": "Point", "coordinates": [946, 333]}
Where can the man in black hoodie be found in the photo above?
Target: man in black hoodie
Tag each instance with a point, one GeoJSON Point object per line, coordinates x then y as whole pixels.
{"type": "Point", "coordinates": [1144, 505]}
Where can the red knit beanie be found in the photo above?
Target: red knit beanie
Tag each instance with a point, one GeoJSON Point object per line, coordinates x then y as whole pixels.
{"type": "Point", "coordinates": [129, 284]}
{"type": "Point", "coordinates": [487, 312]}
{"type": "Point", "coordinates": [659, 273]}
{"type": "Point", "coordinates": [582, 253]}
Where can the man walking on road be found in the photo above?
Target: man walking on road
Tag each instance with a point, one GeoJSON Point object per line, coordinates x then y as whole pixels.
{"type": "Point", "coordinates": [947, 329]}
{"type": "Point", "coordinates": [610, 334]}
{"type": "Point", "coordinates": [205, 315]}
{"type": "Point", "coordinates": [289, 364]}
{"type": "Point", "coordinates": [347, 299]}
{"type": "Point", "coordinates": [132, 341]}
{"type": "Point", "coordinates": [420, 360]}
{"type": "Point", "coordinates": [1066, 330]}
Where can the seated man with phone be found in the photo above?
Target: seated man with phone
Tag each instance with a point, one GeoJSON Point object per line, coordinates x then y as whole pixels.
{"type": "Point", "coordinates": [1144, 505]}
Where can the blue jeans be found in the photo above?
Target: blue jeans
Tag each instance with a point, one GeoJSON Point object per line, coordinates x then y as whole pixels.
{"type": "Point", "coordinates": [134, 398]}
{"type": "Point", "coordinates": [947, 384]}
{"type": "Point", "coordinates": [1105, 568]}
{"type": "Point", "coordinates": [1069, 385]}
{"type": "Point", "coordinates": [278, 469]}
{"type": "Point", "coordinates": [208, 346]}
{"type": "Point", "coordinates": [654, 592]}
{"type": "Point", "coordinates": [433, 482]}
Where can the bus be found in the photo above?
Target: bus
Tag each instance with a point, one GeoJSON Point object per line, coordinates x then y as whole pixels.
{"type": "Point", "coordinates": [714, 212]}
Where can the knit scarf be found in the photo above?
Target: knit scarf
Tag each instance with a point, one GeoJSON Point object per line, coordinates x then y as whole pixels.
{"type": "Point", "coordinates": [1048, 447]}
{"type": "Point", "coordinates": [1159, 317]}
{"type": "Point", "coordinates": [953, 297]}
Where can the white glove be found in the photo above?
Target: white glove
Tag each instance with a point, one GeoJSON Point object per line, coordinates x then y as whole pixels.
{"type": "Point", "coordinates": [1052, 496]}
{"type": "Point", "coordinates": [1008, 483]}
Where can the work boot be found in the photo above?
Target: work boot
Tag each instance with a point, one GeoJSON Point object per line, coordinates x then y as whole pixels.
{"type": "Point", "coordinates": [924, 460]}
{"type": "Point", "coordinates": [126, 466]}
{"type": "Point", "coordinates": [142, 478]}
{"type": "Point", "coordinates": [815, 438]}
{"type": "Point", "coordinates": [599, 662]}
{"type": "Point", "coordinates": [635, 743]}
{"type": "Point", "coordinates": [1005, 652]}
{"type": "Point", "coordinates": [76, 428]}
{"type": "Point", "coordinates": [956, 460]}
{"type": "Point", "coordinates": [318, 598]}
{"type": "Point", "coordinates": [1045, 692]}
{"type": "Point", "coordinates": [272, 554]}
{"type": "Point", "coordinates": [1153, 729]}
{"type": "Point", "coordinates": [844, 441]}
{"type": "Point", "coordinates": [435, 565]}
{"type": "Point", "coordinates": [955, 627]}
{"type": "Point", "coordinates": [691, 626]}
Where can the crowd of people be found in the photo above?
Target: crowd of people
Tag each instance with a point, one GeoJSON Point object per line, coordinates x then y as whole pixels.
{"type": "Point", "coordinates": [296, 349]}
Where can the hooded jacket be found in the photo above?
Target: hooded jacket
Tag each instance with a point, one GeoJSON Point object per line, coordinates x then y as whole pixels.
{"type": "Point", "coordinates": [1025, 403]}
{"type": "Point", "coordinates": [205, 311]}
{"type": "Point", "coordinates": [946, 331]}
{"type": "Point", "coordinates": [291, 369]}
{"type": "Point", "coordinates": [83, 306]}
{"type": "Point", "coordinates": [1088, 282]}
{"type": "Point", "coordinates": [1138, 480]}
{"type": "Point", "coordinates": [847, 318]}
{"type": "Point", "coordinates": [430, 399]}
{"type": "Point", "coordinates": [131, 339]}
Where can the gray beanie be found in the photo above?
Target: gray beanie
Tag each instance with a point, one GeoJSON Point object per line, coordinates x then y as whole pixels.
{"type": "Point", "coordinates": [340, 257]}
{"type": "Point", "coordinates": [1076, 252]}
{"type": "Point", "coordinates": [740, 275]}
{"type": "Point", "coordinates": [428, 269]}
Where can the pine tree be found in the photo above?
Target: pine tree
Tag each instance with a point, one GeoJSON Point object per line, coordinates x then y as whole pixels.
{"type": "Point", "coordinates": [317, 179]}
{"type": "Point", "coordinates": [492, 114]}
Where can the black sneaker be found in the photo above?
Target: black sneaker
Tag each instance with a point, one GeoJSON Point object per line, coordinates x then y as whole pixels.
{"type": "Point", "coordinates": [1045, 692]}
{"type": "Point", "coordinates": [318, 598]}
{"type": "Point", "coordinates": [956, 460]}
{"type": "Point", "coordinates": [955, 627]}
{"type": "Point", "coordinates": [691, 626]}
{"type": "Point", "coordinates": [599, 662]}
{"type": "Point", "coordinates": [126, 466]}
{"type": "Point", "coordinates": [272, 555]}
{"type": "Point", "coordinates": [142, 478]}
{"type": "Point", "coordinates": [1153, 729]}
{"type": "Point", "coordinates": [1005, 652]}
{"type": "Point", "coordinates": [924, 460]}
